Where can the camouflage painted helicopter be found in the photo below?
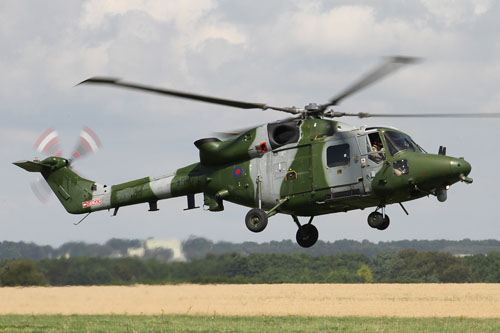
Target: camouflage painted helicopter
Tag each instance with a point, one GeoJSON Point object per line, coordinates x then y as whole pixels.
{"type": "Point", "coordinates": [307, 165]}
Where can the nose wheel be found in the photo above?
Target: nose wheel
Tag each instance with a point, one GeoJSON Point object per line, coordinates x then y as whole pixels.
{"type": "Point", "coordinates": [307, 234]}
{"type": "Point", "coordinates": [378, 220]}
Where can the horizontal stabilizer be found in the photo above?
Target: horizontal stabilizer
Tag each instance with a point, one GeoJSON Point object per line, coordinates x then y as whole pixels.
{"type": "Point", "coordinates": [32, 166]}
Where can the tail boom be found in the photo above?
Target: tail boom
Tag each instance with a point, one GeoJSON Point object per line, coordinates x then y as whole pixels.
{"type": "Point", "coordinates": [79, 195]}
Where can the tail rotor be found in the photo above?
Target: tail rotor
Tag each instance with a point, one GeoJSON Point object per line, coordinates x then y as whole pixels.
{"type": "Point", "coordinates": [48, 144]}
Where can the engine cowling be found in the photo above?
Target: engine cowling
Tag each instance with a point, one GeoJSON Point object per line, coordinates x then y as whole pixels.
{"type": "Point", "coordinates": [216, 152]}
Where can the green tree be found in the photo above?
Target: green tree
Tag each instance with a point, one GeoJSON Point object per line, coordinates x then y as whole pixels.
{"type": "Point", "coordinates": [196, 248]}
{"type": "Point", "coordinates": [22, 273]}
{"type": "Point", "coordinates": [485, 268]}
{"type": "Point", "coordinates": [364, 273]}
{"type": "Point", "coordinates": [430, 266]}
{"type": "Point", "coordinates": [342, 275]}
{"type": "Point", "coordinates": [456, 273]}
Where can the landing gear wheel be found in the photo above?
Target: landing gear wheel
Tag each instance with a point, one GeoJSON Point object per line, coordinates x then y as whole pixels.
{"type": "Point", "coordinates": [307, 235]}
{"type": "Point", "coordinates": [256, 220]}
{"type": "Point", "coordinates": [375, 220]}
{"type": "Point", "coordinates": [385, 223]}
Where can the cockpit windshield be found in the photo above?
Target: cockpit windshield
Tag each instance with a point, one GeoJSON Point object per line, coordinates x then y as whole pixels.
{"type": "Point", "coordinates": [397, 142]}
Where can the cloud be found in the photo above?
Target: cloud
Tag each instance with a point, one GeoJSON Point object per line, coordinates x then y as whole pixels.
{"type": "Point", "coordinates": [450, 12]}
{"type": "Point", "coordinates": [183, 13]}
{"type": "Point", "coordinates": [191, 19]}
{"type": "Point", "coordinates": [356, 30]}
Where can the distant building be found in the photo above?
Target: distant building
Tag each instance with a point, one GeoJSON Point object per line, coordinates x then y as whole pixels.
{"type": "Point", "coordinates": [462, 255]}
{"type": "Point", "coordinates": [155, 245]}
{"type": "Point", "coordinates": [135, 252]}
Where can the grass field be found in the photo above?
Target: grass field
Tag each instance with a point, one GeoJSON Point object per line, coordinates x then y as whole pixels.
{"type": "Point", "coordinates": [173, 323]}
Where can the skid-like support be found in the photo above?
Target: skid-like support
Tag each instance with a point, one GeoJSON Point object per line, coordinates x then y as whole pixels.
{"type": "Point", "coordinates": [273, 211]}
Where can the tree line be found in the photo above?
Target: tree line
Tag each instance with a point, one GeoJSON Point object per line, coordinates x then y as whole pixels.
{"type": "Point", "coordinates": [198, 248]}
{"type": "Point", "coordinates": [405, 266]}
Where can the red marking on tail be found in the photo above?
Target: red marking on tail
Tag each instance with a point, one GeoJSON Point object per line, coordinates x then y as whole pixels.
{"type": "Point", "coordinates": [91, 203]}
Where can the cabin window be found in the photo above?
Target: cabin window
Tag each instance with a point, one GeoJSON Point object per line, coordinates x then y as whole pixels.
{"type": "Point", "coordinates": [338, 155]}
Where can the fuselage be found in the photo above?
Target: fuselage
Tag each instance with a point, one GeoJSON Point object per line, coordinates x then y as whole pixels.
{"type": "Point", "coordinates": [309, 167]}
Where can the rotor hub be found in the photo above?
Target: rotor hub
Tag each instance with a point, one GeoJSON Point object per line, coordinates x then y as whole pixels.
{"type": "Point", "coordinates": [312, 107]}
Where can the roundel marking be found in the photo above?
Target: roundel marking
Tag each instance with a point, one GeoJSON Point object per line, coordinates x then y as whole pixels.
{"type": "Point", "coordinates": [238, 171]}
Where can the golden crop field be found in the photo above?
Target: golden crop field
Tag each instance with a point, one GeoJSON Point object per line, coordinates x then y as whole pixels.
{"type": "Point", "coordinates": [337, 300]}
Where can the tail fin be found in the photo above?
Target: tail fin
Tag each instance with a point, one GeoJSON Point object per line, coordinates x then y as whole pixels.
{"type": "Point", "coordinates": [71, 189]}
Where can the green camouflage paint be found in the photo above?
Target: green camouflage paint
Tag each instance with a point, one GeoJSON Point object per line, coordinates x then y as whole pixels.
{"type": "Point", "coordinates": [303, 191]}
{"type": "Point", "coordinates": [225, 173]}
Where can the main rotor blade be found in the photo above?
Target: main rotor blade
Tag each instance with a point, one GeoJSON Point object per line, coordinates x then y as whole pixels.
{"type": "Point", "coordinates": [334, 114]}
{"type": "Point", "coordinates": [181, 94]}
{"type": "Point", "coordinates": [389, 66]}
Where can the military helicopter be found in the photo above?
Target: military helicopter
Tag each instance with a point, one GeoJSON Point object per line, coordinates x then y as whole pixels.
{"type": "Point", "coordinates": [307, 165]}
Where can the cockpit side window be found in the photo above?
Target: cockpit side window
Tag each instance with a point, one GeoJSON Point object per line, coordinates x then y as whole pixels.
{"type": "Point", "coordinates": [397, 142]}
{"type": "Point", "coordinates": [375, 148]}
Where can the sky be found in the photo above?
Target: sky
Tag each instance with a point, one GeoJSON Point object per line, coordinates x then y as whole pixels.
{"type": "Point", "coordinates": [283, 53]}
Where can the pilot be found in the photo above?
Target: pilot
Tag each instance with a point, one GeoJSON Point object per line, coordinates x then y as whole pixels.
{"type": "Point", "coordinates": [378, 154]}
{"type": "Point", "coordinates": [400, 167]}
{"type": "Point", "coordinates": [397, 171]}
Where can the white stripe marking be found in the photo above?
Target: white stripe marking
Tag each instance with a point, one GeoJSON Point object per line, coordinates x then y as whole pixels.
{"type": "Point", "coordinates": [46, 140]}
{"type": "Point", "coordinates": [90, 140]}
{"type": "Point", "coordinates": [161, 187]}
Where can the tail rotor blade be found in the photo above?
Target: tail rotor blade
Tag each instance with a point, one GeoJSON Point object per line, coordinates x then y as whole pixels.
{"type": "Point", "coordinates": [48, 143]}
{"type": "Point", "coordinates": [88, 143]}
{"type": "Point", "coordinates": [41, 190]}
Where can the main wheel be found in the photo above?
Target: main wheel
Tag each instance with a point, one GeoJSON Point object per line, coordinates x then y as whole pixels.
{"type": "Point", "coordinates": [385, 223]}
{"type": "Point", "coordinates": [307, 235]}
{"type": "Point", "coordinates": [256, 220]}
{"type": "Point", "coordinates": [375, 220]}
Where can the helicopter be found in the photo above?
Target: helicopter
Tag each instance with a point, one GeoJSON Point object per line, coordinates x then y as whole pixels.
{"type": "Point", "coordinates": [305, 166]}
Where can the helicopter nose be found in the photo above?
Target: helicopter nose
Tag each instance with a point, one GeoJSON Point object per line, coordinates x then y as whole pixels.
{"type": "Point", "coordinates": [461, 168]}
